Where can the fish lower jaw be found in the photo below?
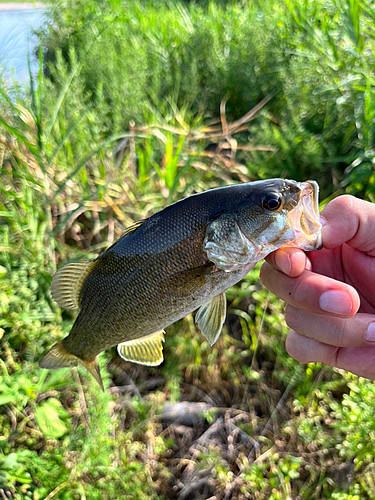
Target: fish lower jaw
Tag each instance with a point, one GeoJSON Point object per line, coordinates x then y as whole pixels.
{"type": "Point", "coordinates": [307, 243]}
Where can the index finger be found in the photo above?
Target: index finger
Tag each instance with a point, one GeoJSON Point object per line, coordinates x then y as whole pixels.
{"type": "Point", "coordinates": [312, 292]}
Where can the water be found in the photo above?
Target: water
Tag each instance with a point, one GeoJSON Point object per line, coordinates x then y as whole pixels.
{"type": "Point", "coordinates": [17, 41]}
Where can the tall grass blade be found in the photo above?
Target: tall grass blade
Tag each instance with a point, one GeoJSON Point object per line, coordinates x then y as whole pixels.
{"type": "Point", "coordinates": [106, 143]}
{"type": "Point", "coordinates": [31, 147]}
{"type": "Point", "coordinates": [354, 17]}
{"type": "Point", "coordinates": [36, 98]}
{"type": "Point", "coordinates": [8, 100]}
{"type": "Point", "coordinates": [60, 100]}
{"type": "Point", "coordinates": [67, 134]}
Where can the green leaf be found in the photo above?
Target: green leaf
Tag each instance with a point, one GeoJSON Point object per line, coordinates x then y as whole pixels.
{"type": "Point", "coordinates": [51, 418]}
{"type": "Point", "coordinates": [9, 462]}
{"type": "Point", "coordinates": [7, 397]}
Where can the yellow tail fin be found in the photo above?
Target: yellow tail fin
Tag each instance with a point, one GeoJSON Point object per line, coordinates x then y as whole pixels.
{"type": "Point", "coordinates": [59, 357]}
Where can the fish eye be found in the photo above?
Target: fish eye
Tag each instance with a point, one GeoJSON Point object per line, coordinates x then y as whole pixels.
{"type": "Point", "coordinates": [271, 201]}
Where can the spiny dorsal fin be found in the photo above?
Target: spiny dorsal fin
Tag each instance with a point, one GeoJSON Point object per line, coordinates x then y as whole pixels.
{"type": "Point", "coordinates": [67, 283]}
{"type": "Point", "coordinates": [131, 229]}
{"type": "Point", "coordinates": [144, 351]}
{"type": "Point", "coordinates": [211, 316]}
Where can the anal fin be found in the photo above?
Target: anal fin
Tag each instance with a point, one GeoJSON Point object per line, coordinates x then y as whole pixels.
{"type": "Point", "coordinates": [146, 350]}
{"type": "Point", "coordinates": [211, 316]}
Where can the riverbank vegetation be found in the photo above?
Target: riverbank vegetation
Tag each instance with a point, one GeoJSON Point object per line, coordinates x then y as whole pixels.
{"type": "Point", "coordinates": [135, 105]}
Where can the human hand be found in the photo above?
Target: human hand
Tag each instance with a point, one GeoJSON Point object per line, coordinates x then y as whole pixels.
{"type": "Point", "coordinates": [330, 294]}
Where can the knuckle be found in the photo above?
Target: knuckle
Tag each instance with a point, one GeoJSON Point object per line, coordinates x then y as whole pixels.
{"type": "Point", "coordinates": [340, 334]}
{"type": "Point", "coordinates": [345, 200]}
{"type": "Point", "coordinates": [295, 347]}
{"type": "Point", "coordinates": [343, 335]}
{"type": "Point", "coordinates": [291, 317]}
{"type": "Point", "coordinates": [348, 199]}
{"type": "Point", "coordinates": [336, 207]}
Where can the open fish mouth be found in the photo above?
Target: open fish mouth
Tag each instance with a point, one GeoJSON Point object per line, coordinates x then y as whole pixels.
{"type": "Point", "coordinates": [304, 218]}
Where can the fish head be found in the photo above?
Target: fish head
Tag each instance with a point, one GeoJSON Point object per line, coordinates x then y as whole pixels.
{"type": "Point", "coordinates": [281, 213]}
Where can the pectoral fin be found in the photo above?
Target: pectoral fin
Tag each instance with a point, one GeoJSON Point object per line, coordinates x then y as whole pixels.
{"type": "Point", "coordinates": [67, 283]}
{"type": "Point", "coordinates": [226, 245]}
{"type": "Point", "coordinates": [144, 351]}
{"type": "Point", "coordinates": [211, 316]}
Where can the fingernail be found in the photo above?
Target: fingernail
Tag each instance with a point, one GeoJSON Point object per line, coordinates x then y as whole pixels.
{"type": "Point", "coordinates": [283, 261]}
{"type": "Point", "coordinates": [322, 221]}
{"type": "Point", "coordinates": [336, 302]}
{"type": "Point", "coordinates": [370, 334]}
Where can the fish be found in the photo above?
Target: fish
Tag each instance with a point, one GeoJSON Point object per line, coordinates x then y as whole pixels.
{"type": "Point", "coordinates": [179, 259]}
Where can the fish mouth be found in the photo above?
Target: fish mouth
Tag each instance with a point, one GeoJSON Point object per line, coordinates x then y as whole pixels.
{"type": "Point", "coordinates": [304, 218]}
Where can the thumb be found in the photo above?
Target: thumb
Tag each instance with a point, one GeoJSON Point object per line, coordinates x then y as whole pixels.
{"type": "Point", "coordinates": [349, 220]}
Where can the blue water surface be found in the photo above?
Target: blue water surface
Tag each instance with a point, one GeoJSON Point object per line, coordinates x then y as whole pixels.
{"type": "Point", "coordinates": [17, 41]}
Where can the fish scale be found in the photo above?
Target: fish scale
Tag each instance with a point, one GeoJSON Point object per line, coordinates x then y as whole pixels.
{"type": "Point", "coordinates": [143, 299]}
{"type": "Point", "coordinates": [178, 260]}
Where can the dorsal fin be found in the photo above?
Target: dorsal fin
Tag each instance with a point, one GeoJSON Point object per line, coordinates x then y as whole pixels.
{"type": "Point", "coordinates": [131, 229]}
{"type": "Point", "coordinates": [67, 283]}
{"type": "Point", "coordinates": [147, 350]}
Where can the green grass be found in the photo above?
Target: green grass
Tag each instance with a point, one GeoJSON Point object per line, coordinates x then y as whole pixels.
{"type": "Point", "coordinates": [75, 171]}
{"type": "Point", "coordinates": [316, 56]}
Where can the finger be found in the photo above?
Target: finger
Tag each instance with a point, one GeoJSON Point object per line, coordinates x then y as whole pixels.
{"type": "Point", "coordinates": [350, 332]}
{"type": "Point", "coordinates": [357, 360]}
{"type": "Point", "coordinates": [312, 292]}
{"type": "Point", "coordinates": [308, 264]}
{"type": "Point", "coordinates": [288, 260]}
{"type": "Point", "coordinates": [349, 220]}
{"type": "Point", "coordinates": [306, 350]}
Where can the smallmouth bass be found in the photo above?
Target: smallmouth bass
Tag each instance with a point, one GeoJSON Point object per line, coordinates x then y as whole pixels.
{"type": "Point", "coordinates": [180, 259]}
